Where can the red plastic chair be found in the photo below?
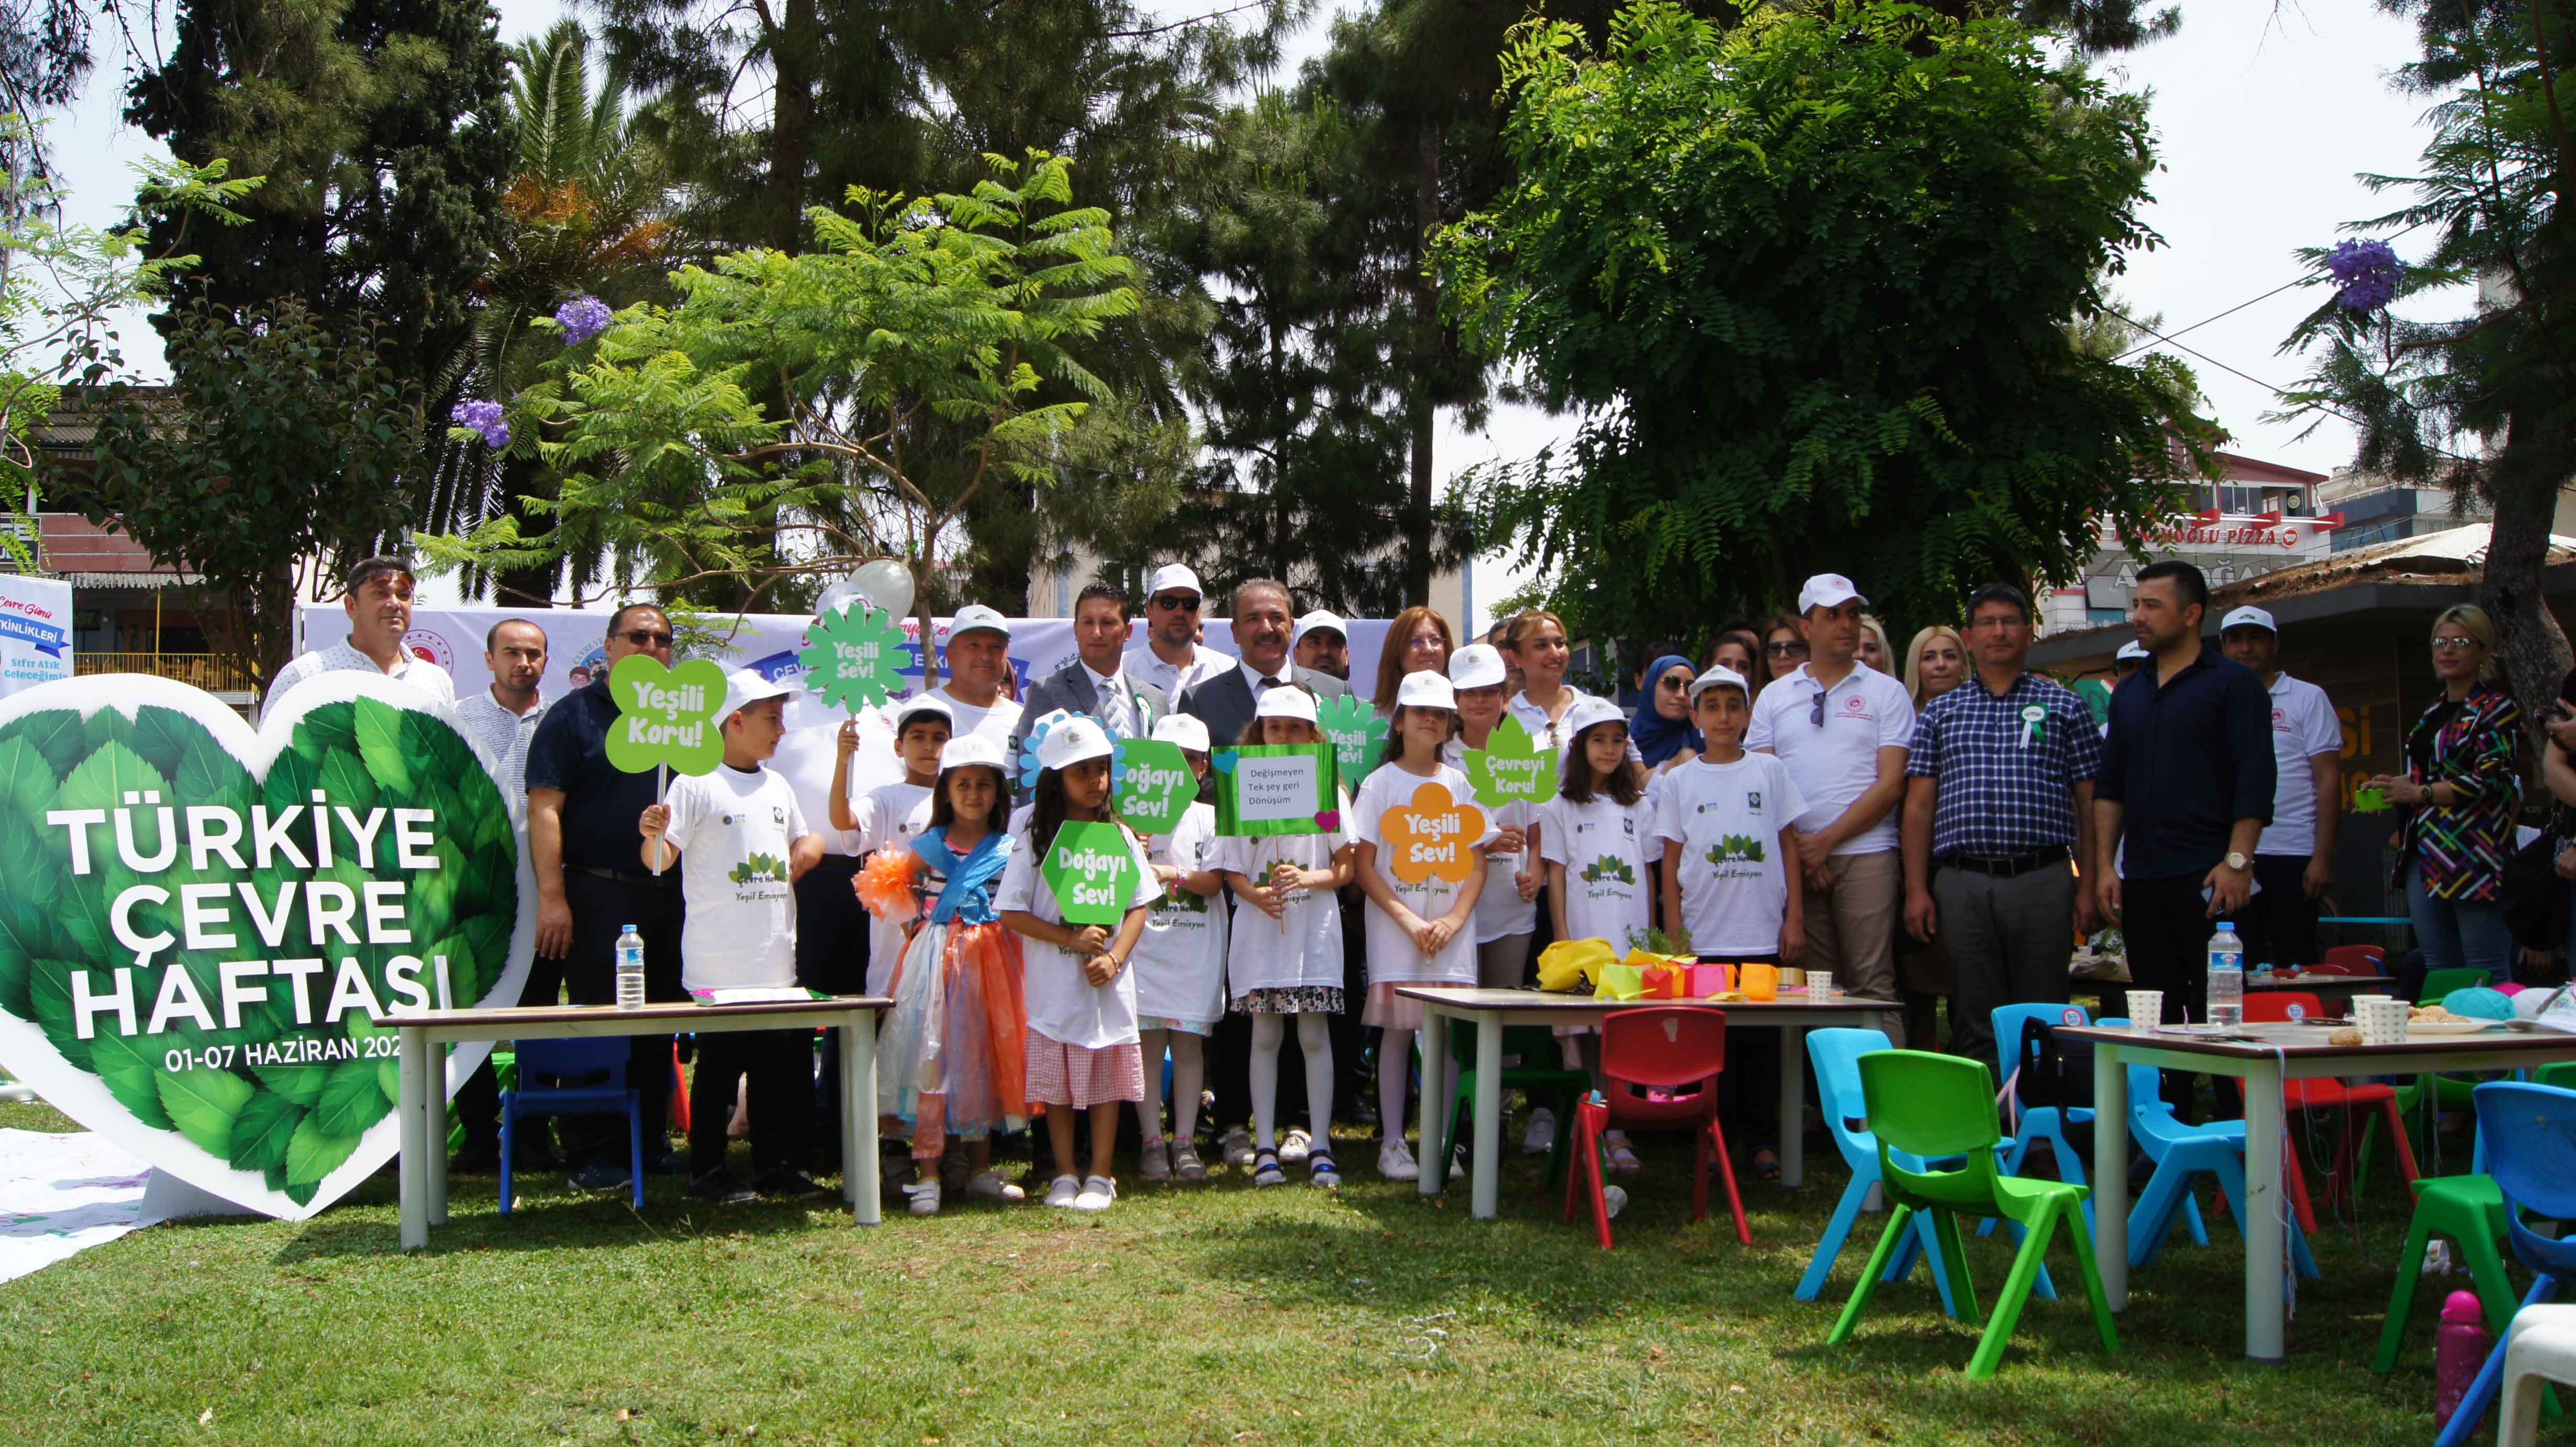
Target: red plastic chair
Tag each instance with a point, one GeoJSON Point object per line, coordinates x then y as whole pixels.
{"type": "Point", "coordinates": [1672, 1048]}
{"type": "Point", "coordinates": [2352, 960]}
{"type": "Point", "coordinates": [2301, 1095]}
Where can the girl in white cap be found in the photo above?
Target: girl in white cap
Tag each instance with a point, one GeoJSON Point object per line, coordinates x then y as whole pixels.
{"type": "Point", "coordinates": [1423, 928]}
{"type": "Point", "coordinates": [1507, 911]}
{"type": "Point", "coordinates": [1180, 968]}
{"type": "Point", "coordinates": [950, 1059]}
{"type": "Point", "coordinates": [1284, 950]}
{"type": "Point", "coordinates": [1083, 1051]}
{"type": "Point", "coordinates": [1598, 841]}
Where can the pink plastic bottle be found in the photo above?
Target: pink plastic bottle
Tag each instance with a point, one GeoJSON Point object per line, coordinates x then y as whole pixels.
{"type": "Point", "coordinates": [2460, 1347]}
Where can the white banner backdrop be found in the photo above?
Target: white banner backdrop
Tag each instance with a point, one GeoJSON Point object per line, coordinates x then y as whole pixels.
{"type": "Point", "coordinates": [35, 631]}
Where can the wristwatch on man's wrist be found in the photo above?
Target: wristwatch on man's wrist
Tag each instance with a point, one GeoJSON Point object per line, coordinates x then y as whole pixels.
{"type": "Point", "coordinates": [2236, 860]}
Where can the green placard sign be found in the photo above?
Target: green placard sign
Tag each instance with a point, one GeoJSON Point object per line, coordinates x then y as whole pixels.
{"type": "Point", "coordinates": [1511, 769]}
{"type": "Point", "coordinates": [853, 656]}
{"type": "Point", "coordinates": [1358, 735]}
{"type": "Point", "coordinates": [1264, 789]}
{"type": "Point", "coordinates": [202, 926]}
{"type": "Point", "coordinates": [666, 717]}
{"type": "Point", "coordinates": [1092, 873]}
{"type": "Point", "coordinates": [1155, 785]}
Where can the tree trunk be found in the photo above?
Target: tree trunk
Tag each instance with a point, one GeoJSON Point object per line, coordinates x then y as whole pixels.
{"type": "Point", "coordinates": [1426, 321]}
{"type": "Point", "coordinates": [2529, 642]}
{"type": "Point", "coordinates": [793, 50]}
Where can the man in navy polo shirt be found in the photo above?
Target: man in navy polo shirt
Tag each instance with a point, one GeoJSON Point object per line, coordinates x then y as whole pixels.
{"type": "Point", "coordinates": [2186, 788]}
{"type": "Point", "coordinates": [1999, 795]}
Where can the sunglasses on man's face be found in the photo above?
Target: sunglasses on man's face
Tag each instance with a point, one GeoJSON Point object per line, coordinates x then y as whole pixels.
{"type": "Point", "coordinates": [1785, 650]}
{"type": "Point", "coordinates": [1176, 602]}
{"type": "Point", "coordinates": [646, 638]}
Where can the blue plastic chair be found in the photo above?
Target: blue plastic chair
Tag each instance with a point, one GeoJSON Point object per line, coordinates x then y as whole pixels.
{"type": "Point", "coordinates": [1835, 1055]}
{"type": "Point", "coordinates": [558, 1061]}
{"type": "Point", "coordinates": [2043, 1122]}
{"type": "Point", "coordinates": [2529, 1132]}
{"type": "Point", "coordinates": [2181, 1153]}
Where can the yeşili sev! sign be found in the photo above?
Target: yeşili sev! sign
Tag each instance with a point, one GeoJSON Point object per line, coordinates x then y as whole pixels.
{"type": "Point", "coordinates": [203, 926]}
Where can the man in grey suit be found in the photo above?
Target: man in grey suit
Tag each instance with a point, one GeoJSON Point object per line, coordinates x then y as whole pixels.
{"type": "Point", "coordinates": [1096, 682]}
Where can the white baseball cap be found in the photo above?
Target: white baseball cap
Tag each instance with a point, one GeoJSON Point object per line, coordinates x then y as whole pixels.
{"type": "Point", "coordinates": [1286, 701]}
{"type": "Point", "coordinates": [2250, 617]}
{"type": "Point", "coordinates": [1071, 741]}
{"type": "Point", "coordinates": [1426, 689]}
{"type": "Point", "coordinates": [1321, 618]}
{"type": "Point", "coordinates": [1184, 729]}
{"type": "Point", "coordinates": [1826, 590]}
{"type": "Point", "coordinates": [1478, 665]}
{"type": "Point", "coordinates": [1174, 578]}
{"type": "Point", "coordinates": [1721, 676]}
{"type": "Point", "coordinates": [744, 687]}
{"type": "Point", "coordinates": [970, 751]}
{"type": "Point", "coordinates": [2132, 649]}
{"type": "Point", "coordinates": [905, 709]}
{"type": "Point", "coordinates": [976, 615]}
{"type": "Point", "coordinates": [1590, 711]}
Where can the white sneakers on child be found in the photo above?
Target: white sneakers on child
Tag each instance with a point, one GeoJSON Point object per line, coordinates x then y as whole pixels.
{"type": "Point", "coordinates": [1542, 1132]}
{"type": "Point", "coordinates": [1154, 1161]}
{"type": "Point", "coordinates": [1395, 1162]}
{"type": "Point", "coordinates": [1098, 1193]}
{"type": "Point", "coordinates": [989, 1185]}
{"type": "Point", "coordinates": [1062, 1191]}
{"type": "Point", "coordinates": [925, 1197]}
{"type": "Point", "coordinates": [1295, 1147]}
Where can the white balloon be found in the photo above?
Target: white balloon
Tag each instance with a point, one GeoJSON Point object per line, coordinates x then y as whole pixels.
{"type": "Point", "coordinates": [837, 596]}
{"type": "Point", "coordinates": [887, 583]}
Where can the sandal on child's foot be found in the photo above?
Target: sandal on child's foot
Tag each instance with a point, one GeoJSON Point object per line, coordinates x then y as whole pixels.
{"type": "Point", "coordinates": [1623, 1157]}
{"type": "Point", "coordinates": [989, 1186]}
{"type": "Point", "coordinates": [1320, 1168]}
{"type": "Point", "coordinates": [1766, 1164]}
{"type": "Point", "coordinates": [1153, 1162]}
{"type": "Point", "coordinates": [1186, 1164]}
{"type": "Point", "coordinates": [1265, 1168]}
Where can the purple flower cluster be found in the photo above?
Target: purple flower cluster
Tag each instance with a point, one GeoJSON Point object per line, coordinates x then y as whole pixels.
{"type": "Point", "coordinates": [486, 418]}
{"type": "Point", "coordinates": [2366, 274]}
{"type": "Point", "coordinates": [583, 318]}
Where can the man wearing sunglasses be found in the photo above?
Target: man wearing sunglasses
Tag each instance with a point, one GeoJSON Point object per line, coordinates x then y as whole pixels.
{"type": "Point", "coordinates": [1171, 657]}
{"type": "Point", "coordinates": [591, 884]}
{"type": "Point", "coordinates": [1842, 728]}
{"type": "Point", "coordinates": [378, 601]}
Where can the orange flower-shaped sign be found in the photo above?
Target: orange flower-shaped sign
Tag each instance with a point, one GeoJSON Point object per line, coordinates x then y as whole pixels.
{"type": "Point", "coordinates": [1432, 838]}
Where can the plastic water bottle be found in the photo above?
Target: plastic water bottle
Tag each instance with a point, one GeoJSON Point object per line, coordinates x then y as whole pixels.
{"type": "Point", "coordinates": [2226, 977]}
{"type": "Point", "coordinates": [2460, 1347]}
{"type": "Point", "coordinates": [630, 970]}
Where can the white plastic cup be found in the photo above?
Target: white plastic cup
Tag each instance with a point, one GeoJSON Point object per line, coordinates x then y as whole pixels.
{"type": "Point", "coordinates": [2146, 1009]}
{"type": "Point", "coordinates": [2383, 1022]}
{"type": "Point", "coordinates": [1820, 984]}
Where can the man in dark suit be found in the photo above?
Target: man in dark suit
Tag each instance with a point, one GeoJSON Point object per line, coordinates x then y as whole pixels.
{"type": "Point", "coordinates": [1263, 625]}
{"type": "Point", "coordinates": [1096, 682]}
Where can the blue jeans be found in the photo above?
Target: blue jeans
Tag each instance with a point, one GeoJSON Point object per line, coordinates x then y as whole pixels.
{"type": "Point", "coordinates": [2460, 932]}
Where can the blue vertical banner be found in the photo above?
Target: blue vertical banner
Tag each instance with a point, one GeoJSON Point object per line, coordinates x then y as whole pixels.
{"type": "Point", "coordinates": [35, 632]}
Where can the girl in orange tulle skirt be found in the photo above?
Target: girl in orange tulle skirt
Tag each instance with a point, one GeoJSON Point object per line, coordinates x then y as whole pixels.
{"type": "Point", "coordinates": [952, 1053]}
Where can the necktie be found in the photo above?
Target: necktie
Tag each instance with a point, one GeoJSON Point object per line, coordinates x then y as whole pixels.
{"type": "Point", "coordinates": [1272, 682]}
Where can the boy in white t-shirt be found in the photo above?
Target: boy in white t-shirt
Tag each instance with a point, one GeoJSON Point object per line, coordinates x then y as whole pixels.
{"type": "Point", "coordinates": [889, 815]}
{"type": "Point", "coordinates": [740, 840]}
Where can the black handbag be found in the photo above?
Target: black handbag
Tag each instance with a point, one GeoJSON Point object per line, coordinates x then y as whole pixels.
{"type": "Point", "coordinates": [2535, 898]}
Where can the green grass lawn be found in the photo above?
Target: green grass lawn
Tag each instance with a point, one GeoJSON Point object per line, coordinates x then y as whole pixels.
{"type": "Point", "coordinates": [1206, 1313]}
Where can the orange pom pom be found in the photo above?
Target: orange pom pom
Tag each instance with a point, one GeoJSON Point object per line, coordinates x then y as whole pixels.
{"type": "Point", "coordinates": [884, 885]}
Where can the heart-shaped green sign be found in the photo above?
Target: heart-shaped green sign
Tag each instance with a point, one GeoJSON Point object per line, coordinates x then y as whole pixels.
{"type": "Point", "coordinates": [1092, 872]}
{"type": "Point", "coordinates": [1156, 786]}
{"type": "Point", "coordinates": [854, 657]}
{"type": "Point", "coordinates": [666, 717]}
{"type": "Point", "coordinates": [199, 922]}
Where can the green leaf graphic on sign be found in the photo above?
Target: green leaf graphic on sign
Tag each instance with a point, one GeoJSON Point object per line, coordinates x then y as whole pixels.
{"type": "Point", "coordinates": [312, 1152]}
{"type": "Point", "coordinates": [350, 1100]}
{"type": "Point", "coordinates": [260, 1133]}
{"type": "Point", "coordinates": [666, 717]}
{"type": "Point", "coordinates": [381, 744]}
{"type": "Point", "coordinates": [1092, 872]}
{"type": "Point", "coordinates": [1155, 786]}
{"type": "Point", "coordinates": [1358, 735]}
{"type": "Point", "coordinates": [854, 657]}
{"type": "Point", "coordinates": [130, 1072]}
{"type": "Point", "coordinates": [203, 1104]}
{"type": "Point", "coordinates": [1510, 768]}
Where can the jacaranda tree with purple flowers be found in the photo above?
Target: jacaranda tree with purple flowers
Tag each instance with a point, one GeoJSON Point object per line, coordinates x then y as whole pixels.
{"type": "Point", "coordinates": [2481, 400]}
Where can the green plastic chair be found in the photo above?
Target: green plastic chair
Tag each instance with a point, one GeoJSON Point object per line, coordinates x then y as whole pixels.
{"type": "Point", "coordinates": [2449, 1092]}
{"type": "Point", "coordinates": [1935, 1106]}
{"type": "Point", "coordinates": [1529, 1042]}
{"type": "Point", "coordinates": [2438, 984]}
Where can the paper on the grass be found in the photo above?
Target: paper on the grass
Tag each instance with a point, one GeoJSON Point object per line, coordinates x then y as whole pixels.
{"type": "Point", "coordinates": [62, 1194]}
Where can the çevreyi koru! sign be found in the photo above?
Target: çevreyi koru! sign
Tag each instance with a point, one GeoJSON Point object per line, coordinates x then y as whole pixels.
{"type": "Point", "coordinates": [200, 923]}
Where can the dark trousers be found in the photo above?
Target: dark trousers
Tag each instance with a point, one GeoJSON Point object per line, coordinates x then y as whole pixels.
{"type": "Point", "coordinates": [2009, 937]}
{"type": "Point", "coordinates": [2279, 925]}
{"type": "Point", "coordinates": [2167, 926]}
{"type": "Point", "coordinates": [601, 908]}
{"type": "Point", "coordinates": [1748, 1092]}
{"type": "Point", "coordinates": [831, 956]}
{"type": "Point", "coordinates": [478, 1100]}
{"type": "Point", "coordinates": [780, 1064]}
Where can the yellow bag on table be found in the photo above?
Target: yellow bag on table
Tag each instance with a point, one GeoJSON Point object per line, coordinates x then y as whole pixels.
{"type": "Point", "coordinates": [1567, 965]}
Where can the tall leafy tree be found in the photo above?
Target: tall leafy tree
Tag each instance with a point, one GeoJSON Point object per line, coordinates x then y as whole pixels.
{"type": "Point", "coordinates": [44, 59]}
{"type": "Point", "coordinates": [1807, 279]}
{"type": "Point", "coordinates": [2484, 402]}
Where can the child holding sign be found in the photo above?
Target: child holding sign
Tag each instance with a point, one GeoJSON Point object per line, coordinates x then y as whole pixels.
{"type": "Point", "coordinates": [950, 1057]}
{"type": "Point", "coordinates": [887, 816]}
{"type": "Point", "coordinates": [1724, 824]}
{"type": "Point", "coordinates": [1507, 910]}
{"type": "Point", "coordinates": [1082, 1043]}
{"type": "Point", "coordinates": [1180, 967]}
{"type": "Point", "coordinates": [1284, 953]}
{"type": "Point", "coordinates": [1422, 863]}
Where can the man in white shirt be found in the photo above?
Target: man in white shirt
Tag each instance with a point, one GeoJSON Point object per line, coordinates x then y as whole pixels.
{"type": "Point", "coordinates": [1171, 657]}
{"type": "Point", "coordinates": [979, 658]}
{"type": "Point", "coordinates": [2294, 856]}
{"type": "Point", "coordinates": [504, 717]}
{"type": "Point", "coordinates": [1843, 728]}
{"type": "Point", "coordinates": [378, 601]}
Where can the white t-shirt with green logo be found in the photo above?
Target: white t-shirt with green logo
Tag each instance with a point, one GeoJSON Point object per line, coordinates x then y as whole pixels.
{"type": "Point", "coordinates": [734, 829]}
{"type": "Point", "coordinates": [889, 817]}
{"type": "Point", "coordinates": [1725, 821]}
{"type": "Point", "coordinates": [1609, 851]}
{"type": "Point", "coordinates": [1180, 961]}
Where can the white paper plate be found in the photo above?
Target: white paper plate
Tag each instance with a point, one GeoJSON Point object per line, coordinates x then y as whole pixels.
{"type": "Point", "coordinates": [2449, 1027]}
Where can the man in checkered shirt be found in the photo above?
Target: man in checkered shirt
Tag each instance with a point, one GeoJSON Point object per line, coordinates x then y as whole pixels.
{"type": "Point", "coordinates": [1998, 803]}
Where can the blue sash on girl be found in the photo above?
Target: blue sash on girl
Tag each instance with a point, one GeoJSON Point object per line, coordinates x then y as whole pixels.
{"type": "Point", "coordinates": [968, 893]}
